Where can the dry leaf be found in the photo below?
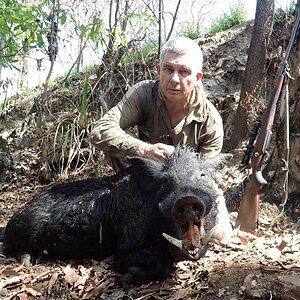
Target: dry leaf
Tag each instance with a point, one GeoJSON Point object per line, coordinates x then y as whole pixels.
{"type": "Point", "coordinates": [249, 281]}
{"type": "Point", "coordinates": [152, 287]}
{"type": "Point", "coordinates": [185, 275]}
{"type": "Point", "coordinates": [33, 292]}
{"type": "Point", "coordinates": [243, 240]}
{"type": "Point", "coordinates": [181, 294]}
{"type": "Point", "coordinates": [23, 296]}
{"type": "Point", "coordinates": [70, 275]}
{"type": "Point", "coordinates": [51, 282]}
{"type": "Point", "coordinates": [95, 292]}
{"type": "Point", "coordinates": [273, 253]}
{"type": "Point", "coordinates": [10, 272]}
{"type": "Point", "coordinates": [282, 245]}
{"type": "Point", "coordinates": [290, 266]}
{"type": "Point", "coordinates": [12, 280]}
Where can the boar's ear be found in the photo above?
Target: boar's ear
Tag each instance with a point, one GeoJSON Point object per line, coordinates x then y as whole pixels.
{"type": "Point", "coordinates": [216, 165]}
{"type": "Point", "coordinates": [147, 172]}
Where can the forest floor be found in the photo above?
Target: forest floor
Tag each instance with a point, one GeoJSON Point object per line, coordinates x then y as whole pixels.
{"type": "Point", "coordinates": [263, 264]}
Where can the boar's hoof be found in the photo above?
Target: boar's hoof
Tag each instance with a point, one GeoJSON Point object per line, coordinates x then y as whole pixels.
{"type": "Point", "coordinates": [26, 259]}
{"type": "Point", "coordinates": [128, 278]}
{"type": "Point", "coordinates": [137, 276]}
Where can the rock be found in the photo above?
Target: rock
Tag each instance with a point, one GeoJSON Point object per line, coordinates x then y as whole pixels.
{"type": "Point", "coordinates": [291, 284]}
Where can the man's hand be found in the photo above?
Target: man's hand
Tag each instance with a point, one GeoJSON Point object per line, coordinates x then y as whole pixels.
{"type": "Point", "coordinates": [157, 151]}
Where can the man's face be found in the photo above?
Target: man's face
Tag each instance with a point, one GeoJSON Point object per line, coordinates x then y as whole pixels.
{"type": "Point", "coordinates": [178, 75]}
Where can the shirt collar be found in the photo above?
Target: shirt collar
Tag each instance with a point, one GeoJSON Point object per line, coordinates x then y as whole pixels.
{"type": "Point", "coordinates": [197, 113]}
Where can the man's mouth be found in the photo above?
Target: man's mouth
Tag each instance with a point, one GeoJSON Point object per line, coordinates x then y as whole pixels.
{"type": "Point", "coordinates": [174, 90]}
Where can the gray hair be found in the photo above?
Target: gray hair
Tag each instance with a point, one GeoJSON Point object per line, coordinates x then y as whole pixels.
{"type": "Point", "coordinates": [181, 45]}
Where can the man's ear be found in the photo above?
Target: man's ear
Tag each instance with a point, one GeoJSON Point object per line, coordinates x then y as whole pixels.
{"type": "Point", "coordinates": [199, 76]}
{"type": "Point", "coordinates": [158, 69]}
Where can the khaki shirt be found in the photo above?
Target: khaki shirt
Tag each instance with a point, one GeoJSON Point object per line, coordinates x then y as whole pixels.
{"type": "Point", "coordinates": [143, 106]}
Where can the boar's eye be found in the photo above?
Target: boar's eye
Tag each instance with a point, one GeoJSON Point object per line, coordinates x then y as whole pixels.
{"type": "Point", "coordinates": [202, 174]}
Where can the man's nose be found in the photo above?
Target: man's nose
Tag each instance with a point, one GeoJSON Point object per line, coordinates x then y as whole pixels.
{"type": "Point", "coordinates": [175, 77]}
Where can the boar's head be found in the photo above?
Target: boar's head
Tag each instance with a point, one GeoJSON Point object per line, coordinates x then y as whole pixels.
{"type": "Point", "coordinates": [185, 186]}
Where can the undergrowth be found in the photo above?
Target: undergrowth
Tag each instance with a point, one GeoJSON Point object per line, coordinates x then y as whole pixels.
{"type": "Point", "coordinates": [235, 16]}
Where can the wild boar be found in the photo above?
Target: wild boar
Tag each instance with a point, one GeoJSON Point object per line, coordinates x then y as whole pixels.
{"type": "Point", "coordinates": [146, 216]}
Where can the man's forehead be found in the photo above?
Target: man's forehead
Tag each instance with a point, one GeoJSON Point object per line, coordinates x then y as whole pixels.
{"type": "Point", "coordinates": [180, 59]}
{"type": "Point", "coordinates": [185, 59]}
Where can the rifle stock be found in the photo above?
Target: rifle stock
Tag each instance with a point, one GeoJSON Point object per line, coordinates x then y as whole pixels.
{"type": "Point", "coordinates": [249, 207]}
{"type": "Point", "coordinates": [265, 134]}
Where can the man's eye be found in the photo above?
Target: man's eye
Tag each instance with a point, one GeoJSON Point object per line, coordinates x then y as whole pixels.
{"type": "Point", "coordinates": [168, 70]}
{"type": "Point", "coordinates": [185, 73]}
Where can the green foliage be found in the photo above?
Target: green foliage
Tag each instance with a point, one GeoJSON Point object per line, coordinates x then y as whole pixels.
{"type": "Point", "coordinates": [94, 31]}
{"type": "Point", "coordinates": [72, 150]}
{"type": "Point", "coordinates": [141, 53]}
{"type": "Point", "coordinates": [288, 8]}
{"type": "Point", "coordinates": [282, 12]}
{"type": "Point", "coordinates": [191, 30]}
{"type": "Point", "coordinates": [21, 29]}
{"type": "Point", "coordinates": [84, 103]}
{"type": "Point", "coordinates": [236, 15]}
{"type": "Point", "coordinates": [141, 21]}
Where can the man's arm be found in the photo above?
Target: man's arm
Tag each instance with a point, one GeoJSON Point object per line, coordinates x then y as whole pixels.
{"type": "Point", "coordinates": [111, 135]}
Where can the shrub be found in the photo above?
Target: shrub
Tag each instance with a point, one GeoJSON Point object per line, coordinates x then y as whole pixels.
{"type": "Point", "coordinates": [236, 15]}
{"type": "Point", "coordinates": [139, 52]}
{"type": "Point", "coordinates": [191, 30]}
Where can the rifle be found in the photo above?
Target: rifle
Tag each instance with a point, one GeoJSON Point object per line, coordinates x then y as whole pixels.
{"type": "Point", "coordinates": [249, 207]}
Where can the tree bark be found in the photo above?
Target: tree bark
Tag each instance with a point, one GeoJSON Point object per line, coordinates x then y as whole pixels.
{"type": "Point", "coordinates": [23, 77]}
{"type": "Point", "coordinates": [283, 169]}
{"type": "Point", "coordinates": [253, 90]}
{"type": "Point", "coordinates": [294, 113]}
{"type": "Point", "coordinates": [45, 174]}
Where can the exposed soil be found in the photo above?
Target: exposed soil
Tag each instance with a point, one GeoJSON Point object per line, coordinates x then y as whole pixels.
{"type": "Point", "coordinates": [264, 264]}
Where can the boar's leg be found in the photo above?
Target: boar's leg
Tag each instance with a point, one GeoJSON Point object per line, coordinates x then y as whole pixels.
{"type": "Point", "coordinates": [143, 266]}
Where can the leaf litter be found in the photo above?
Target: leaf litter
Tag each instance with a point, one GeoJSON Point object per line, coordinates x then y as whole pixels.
{"type": "Point", "coordinates": [248, 265]}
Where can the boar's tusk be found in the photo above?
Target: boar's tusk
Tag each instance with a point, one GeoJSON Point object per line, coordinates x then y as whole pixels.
{"type": "Point", "coordinates": [211, 233]}
{"type": "Point", "coordinates": [172, 240]}
{"type": "Point", "coordinates": [100, 233]}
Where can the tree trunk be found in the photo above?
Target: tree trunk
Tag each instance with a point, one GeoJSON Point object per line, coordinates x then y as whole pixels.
{"type": "Point", "coordinates": [253, 90]}
{"type": "Point", "coordinates": [23, 77]}
{"type": "Point", "coordinates": [285, 149]}
{"type": "Point", "coordinates": [294, 113]}
{"type": "Point", "coordinates": [45, 174]}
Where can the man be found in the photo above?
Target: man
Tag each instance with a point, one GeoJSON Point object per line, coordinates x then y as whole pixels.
{"type": "Point", "coordinates": [168, 112]}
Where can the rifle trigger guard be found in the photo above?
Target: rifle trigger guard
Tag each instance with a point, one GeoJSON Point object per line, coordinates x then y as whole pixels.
{"type": "Point", "coordinates": [289, 75]}
{"type": "Point", "coordinates": [267, 156]}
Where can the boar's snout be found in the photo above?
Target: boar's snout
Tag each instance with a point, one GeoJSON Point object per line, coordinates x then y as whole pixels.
{"type": "Point", "coordinates": [188, 212]}
{"type": "Point", "coordinates": [188, 209]}
{"type": "Point", "coordinates": [191, 208]}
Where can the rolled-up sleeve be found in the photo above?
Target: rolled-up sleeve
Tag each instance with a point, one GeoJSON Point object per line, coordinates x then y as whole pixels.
{"type": "Point", "coordinates": [110, 134]}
